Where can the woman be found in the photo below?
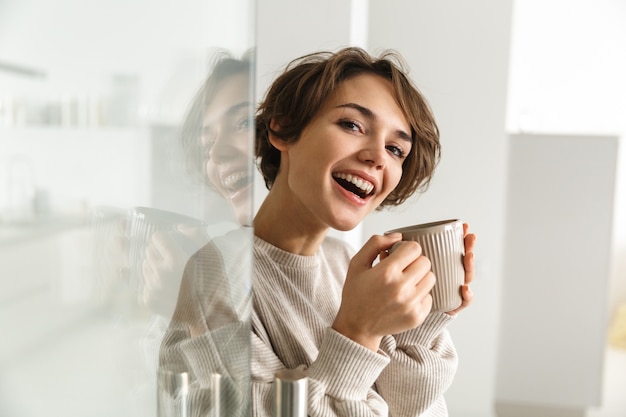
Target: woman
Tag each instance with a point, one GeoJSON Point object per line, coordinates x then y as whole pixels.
{"type": "Point", "coordinates": [339, 136]}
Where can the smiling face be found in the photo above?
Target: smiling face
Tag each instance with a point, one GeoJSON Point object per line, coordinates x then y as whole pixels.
{"type": "Point", "coordinates": [349, 157]}
{"type": "Point", "coordinates": [226, 134]}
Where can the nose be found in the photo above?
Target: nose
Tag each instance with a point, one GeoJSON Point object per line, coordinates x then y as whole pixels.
{"type": "Point", "coordinates": [373, 154]}
{"type": "Point", "coordinates": [224, 147]}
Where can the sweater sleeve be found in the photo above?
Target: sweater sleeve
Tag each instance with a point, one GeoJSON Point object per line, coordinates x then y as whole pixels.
{"type": "Point", "coordinates": [217, 375]}
{"type": "Point", "coordinates": [207, 342]}
{"type": "Point", "coordinates": [422, 367]}
{"type": "Point", "coordinates": [340, 380]}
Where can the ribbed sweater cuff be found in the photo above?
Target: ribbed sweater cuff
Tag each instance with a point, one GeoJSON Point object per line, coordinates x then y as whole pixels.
{"type": "Point", "coordinates": [426, 333]}
{"type": "Point", "coordinates": [347, 369]}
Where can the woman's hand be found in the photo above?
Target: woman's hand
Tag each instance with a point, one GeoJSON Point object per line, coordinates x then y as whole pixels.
{"type": "Point", "coordinates": [470, 269]}
{"type": "Point", "coordinates": [164, 261]}
{"type": "Point", "coordinates": [387, 298]}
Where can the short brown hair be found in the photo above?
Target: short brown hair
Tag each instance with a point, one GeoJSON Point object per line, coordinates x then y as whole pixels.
{"type": "Point", "coordinates": [305, 85]}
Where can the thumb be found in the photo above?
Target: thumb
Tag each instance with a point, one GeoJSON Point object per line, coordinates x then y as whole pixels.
{"type": "Point", "coordinates": [376, 246]}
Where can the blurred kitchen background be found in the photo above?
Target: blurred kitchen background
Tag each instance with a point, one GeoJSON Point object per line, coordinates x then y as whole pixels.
{"type": "Point", "coordinates": [530, 97]}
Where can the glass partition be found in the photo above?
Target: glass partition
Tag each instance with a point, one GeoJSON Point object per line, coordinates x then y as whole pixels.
{"type": "Point", "coordinates": [126, 131]}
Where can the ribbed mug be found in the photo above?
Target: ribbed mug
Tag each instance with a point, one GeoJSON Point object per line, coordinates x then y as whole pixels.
{"type": "Point", "coordinates": [442, 243]}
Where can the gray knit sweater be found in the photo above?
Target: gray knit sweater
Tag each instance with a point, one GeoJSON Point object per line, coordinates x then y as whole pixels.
{"type": "Point", "coordinates": [295, 300]}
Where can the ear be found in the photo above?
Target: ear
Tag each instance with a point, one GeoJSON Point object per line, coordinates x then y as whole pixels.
{"type": "Point", "coordinates": [278, 143]}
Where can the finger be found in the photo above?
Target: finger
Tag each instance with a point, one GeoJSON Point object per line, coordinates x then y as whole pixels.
{"type": "Point", "coordinates": [467, 296]}
{"type": "Point", "coordinates": [469, 241]}
{"type": "Point", "coordinates": [405, 253]}
{"type": "Point", "coordinates": [373, 247]}
{"type": "Point", "coordinates": [470, 267]}
{"type": "Point", "coordinates": [165, 245]}
{"type": "Point", "coordinates": [422, 307]}
{"type": "Point", "coordinates": [419, 270]}
{"type": "Point", "coordinates": [196, 233]}
{"type": "Point", "coordinates": [152, 254]}
{"type": "Point", "coordinates": [427, 303]}
{"type": "Point", "coordinates": [425, 284]}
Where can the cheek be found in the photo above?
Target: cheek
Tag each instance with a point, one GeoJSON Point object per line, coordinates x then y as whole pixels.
{"type": "Point", "coordinates": [213, 174]}
{"type": "Point", "coordinates": [394, 174]}
{"type": "Point", "coordinates": [243, 141]}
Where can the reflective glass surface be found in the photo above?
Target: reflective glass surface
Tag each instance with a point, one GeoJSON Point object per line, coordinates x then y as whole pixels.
{"type": "Point", "coordinates": [126, 131]}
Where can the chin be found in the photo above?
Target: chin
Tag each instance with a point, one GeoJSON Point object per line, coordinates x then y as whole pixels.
{"type": "Point", "coordinates": [345, 226]}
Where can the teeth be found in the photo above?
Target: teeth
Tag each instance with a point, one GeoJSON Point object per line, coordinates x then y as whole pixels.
{"type": "Point", "coordinates": [232, 179]}
{"type": "Point", "coordinates": [367, 187]}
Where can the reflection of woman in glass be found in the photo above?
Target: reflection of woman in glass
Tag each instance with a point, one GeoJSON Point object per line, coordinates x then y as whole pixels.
{"type": "Point", "coordinates": [216, 137]}
{"type": "Point", "coordinates": [217, 133]}
{"type": "Point", "coordinates": [213, 308]}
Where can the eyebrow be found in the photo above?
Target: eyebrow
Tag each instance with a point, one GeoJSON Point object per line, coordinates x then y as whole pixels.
{"type": "Point", "coordinates": [370, 115]}
{"type": "Point", "coordinates": [229, 113]}
{"type": "Point", "coordinates": [238, 106]}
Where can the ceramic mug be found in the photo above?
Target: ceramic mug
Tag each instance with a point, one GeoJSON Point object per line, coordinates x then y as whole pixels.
{"type": "Point", "coordinates": [442, 243]}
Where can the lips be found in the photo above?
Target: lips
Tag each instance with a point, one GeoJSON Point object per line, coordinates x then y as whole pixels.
{"type": "Point", "coordinates": [234, 180]}
{"type": "Point", "coordinates": [354, 184]}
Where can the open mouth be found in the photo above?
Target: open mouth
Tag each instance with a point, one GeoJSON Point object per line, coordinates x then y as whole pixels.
{"type": "Point", "coordinates": [236, 180]}
{"type": "Point", "coordinates": [354, 184]}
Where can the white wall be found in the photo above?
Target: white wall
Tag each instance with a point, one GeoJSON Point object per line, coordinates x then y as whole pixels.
{"type": "Point", "coordinates": [556, 270]}
{"type": "Point", "coordinates": [617, 295]}
{"type": "Point", "coordinates": [458, 53]}
{"type": "Point", "coordinates": [567, 78]}
{"type": "Point", "coordinates": [289, 29]}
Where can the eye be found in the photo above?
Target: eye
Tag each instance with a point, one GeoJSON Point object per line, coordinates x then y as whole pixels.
{"type": "Point", "coordinates": [396, 151]}
{"type": "Point", "coordinates": [243, 123]}
{"type": "Point", "coordinates": [350, 125]}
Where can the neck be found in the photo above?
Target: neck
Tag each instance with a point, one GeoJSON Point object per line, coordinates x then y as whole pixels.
{"type": "Point", "coordinates": [280, 222]}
